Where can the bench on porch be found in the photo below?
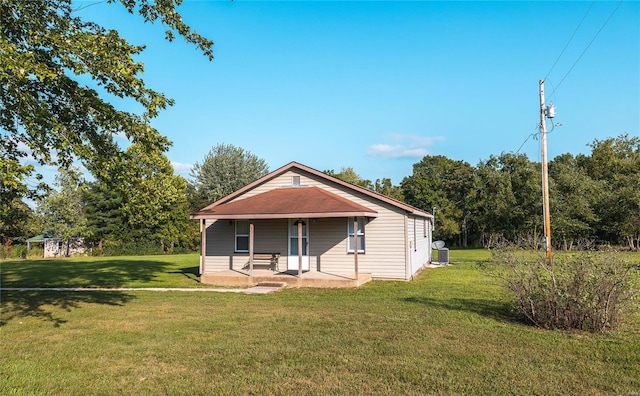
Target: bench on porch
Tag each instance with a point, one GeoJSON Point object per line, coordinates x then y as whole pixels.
{"type": "Point", "coordinates": [272, 258]}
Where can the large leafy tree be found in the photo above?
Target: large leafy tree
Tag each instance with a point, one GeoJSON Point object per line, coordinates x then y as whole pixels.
{"type": "Point", "coordinates": [103, 209]}
{"type": "Point", "coordinates": [509, 198]}
{"type": "Point", "coordinates": [574, 196]}
{"type": "Point", "coordinates": [441, 183]}
{"type": "Point", "coordinates": [155, 203]}
{"type": "Point", "coordinates": [62, 210]}
{"type": "Point", "coordinates": [147, 210]}
{"type": "Point", "coordinates": [17, 222]}
{"type": "Point", "coordinates": [224, 169]}
{"type": "Point", "coordinates": [46, 48]}
{"type": "Point", "coordinates": [615, 164]}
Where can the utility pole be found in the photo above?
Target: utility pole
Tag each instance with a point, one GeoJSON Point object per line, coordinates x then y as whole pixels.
{"type": "Point", "coordinates": [545, 170]}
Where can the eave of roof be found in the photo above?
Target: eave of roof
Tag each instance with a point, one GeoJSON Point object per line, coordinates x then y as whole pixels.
{"type": "Point", "coordinates": [295, 202]}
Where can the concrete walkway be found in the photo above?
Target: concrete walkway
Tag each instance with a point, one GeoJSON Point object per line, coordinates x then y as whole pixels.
{"type": "Point", "coordinates": [251, 290]}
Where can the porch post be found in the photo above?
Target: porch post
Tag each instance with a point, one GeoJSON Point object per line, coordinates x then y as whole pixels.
{"type": "Point", "coordinates": [251, 248]}
{"type": "Point", "coordinates": [203, 245]}
{"type": "Point", "coordinates": [299, 248]}
{"type": "Point", "coordinates": [355, 245]}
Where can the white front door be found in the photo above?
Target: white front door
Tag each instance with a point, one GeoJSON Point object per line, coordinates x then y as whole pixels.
{"type": "Point", "coordinates": [292, 260]}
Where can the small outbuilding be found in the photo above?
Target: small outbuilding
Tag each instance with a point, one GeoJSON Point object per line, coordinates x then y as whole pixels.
{"type": "Point", "coordinates": [56, 247]}
{"type": "Point", "coordinates": [298, 223]}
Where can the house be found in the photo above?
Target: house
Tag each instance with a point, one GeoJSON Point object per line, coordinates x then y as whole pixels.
{"type": "Point", "coordinates": [55, 247]}
{"type": "Point", "coordinates": [301, 224]}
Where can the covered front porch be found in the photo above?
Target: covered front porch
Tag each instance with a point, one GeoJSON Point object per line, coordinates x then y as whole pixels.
{"type": "Point", "coordinates": [310, 279]}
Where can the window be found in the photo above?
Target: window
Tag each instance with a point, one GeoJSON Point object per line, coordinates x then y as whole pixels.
{"type": "Point", "coordinates": [360, 234]}
{"type": "Point", "coordinates": [424, 227]}
{"type": "Point", "coordinates": [242, 236]}
{"type": "Point", "coordinates": [295, 181]}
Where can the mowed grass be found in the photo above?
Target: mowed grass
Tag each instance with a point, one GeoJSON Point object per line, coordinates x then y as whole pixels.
{"type": "Point", "coordinates": [450, 331]}
{"type": "Point", "coordinates": [124, 271]}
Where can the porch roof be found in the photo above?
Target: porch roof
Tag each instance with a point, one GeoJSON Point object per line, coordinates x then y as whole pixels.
{"type": "Point", "coordinates": [286, 203]}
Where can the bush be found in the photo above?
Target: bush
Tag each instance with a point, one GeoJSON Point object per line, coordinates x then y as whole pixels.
{"type": "Point", "coordinates": [589, 291]}
{"type": "Point", "coordinates": [19, 251]}
{"type": "Point", "coordinates": [36, 252]}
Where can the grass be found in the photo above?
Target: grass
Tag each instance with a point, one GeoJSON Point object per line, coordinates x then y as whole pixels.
{"type": "Point", "coordinates": [451, 331]}
{"type": "Point", "coordinates": [125, 271]}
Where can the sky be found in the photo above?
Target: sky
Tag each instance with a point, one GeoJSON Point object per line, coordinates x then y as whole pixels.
{"type": "Point", "coordinates": [378, 85]}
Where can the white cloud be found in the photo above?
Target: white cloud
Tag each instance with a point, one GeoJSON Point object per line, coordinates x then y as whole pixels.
{"type": "Point", "coordinates": [121, 136]}
{"type": "Point", "coordinates": [181, 168]}
{"type": "Point", "coordinates": [403, 146]}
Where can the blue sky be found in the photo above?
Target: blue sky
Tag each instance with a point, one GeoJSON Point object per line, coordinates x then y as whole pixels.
{"type": "Point", "coordinates": [378, 85]}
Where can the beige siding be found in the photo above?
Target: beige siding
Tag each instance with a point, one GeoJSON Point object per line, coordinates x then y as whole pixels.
{"type": "Point", "coordinates": [419, 234]}
{"type": "Point", "coordinates": [220, 245]}
{"type": "Point", "coordinates": [270, 237]}
{"type": "Point", "coordinates": [328, 246]}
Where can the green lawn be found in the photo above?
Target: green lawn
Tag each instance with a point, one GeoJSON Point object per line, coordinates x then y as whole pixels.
{"type": "Point", "coordinates": [448, 332]}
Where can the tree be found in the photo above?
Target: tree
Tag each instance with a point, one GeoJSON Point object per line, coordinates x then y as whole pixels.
{"type": "Point", "coordinates": [224, 169]}
{"type": "Point", "coordinates": [103, 209]}
{"type": "Point", "coordinates": [574, 196]}
{"type": "Point", "coordinates": [615, 163]}
{"type": "Point", "coordinates": [17, 223]}
{"type": "Point", "coordinates": [350, 176]}
{"type": "Point", "coordinates": [61, 210]}
{"type": "Point", "coordinates": [385, 187]}
{"type": "Point", "coordinates": [155, 204]}
{"type": "Point", "coordinates": [437, 182]}
{"type": "Point", "coordinates": [45, 47]}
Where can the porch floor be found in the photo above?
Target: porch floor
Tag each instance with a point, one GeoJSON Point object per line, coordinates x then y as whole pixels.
{"type": "Point", "coordinates": [309, 279]}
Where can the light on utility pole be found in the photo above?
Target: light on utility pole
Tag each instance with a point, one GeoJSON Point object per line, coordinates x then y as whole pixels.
{"type": "Point", "coordinates": [548, 112]}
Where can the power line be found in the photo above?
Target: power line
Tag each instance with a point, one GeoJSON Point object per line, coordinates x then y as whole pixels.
{"type": "Point", "coordinates": [576, 61]}
{"type": "Point", "coordinates": [570, 39]}
{"type": "Point", "coordinates": [587, 47]}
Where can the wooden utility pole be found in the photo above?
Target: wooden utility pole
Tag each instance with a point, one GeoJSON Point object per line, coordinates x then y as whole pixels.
{"type": "Point", "coordinates": [545, 174]}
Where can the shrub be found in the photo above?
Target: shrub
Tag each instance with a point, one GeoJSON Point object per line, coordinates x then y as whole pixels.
{"type": "Point", "coordinates": [36, 252]}
{"type": "Point", "coordinates": [19, 251]}
{"type": "Point", "coordinates": [586, 290]}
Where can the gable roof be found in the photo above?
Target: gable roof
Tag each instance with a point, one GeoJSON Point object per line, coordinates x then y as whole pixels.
{"type": "Point", "coordinates": [334, 204]}
{"type": "Point", "coordinates": [287, 202]}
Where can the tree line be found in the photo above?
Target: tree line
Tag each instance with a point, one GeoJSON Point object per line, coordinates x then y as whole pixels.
{"type": "Point", "coordinates": [594, 199]}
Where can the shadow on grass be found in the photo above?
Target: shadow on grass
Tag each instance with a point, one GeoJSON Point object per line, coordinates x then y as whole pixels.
{"type": "Point", "coordinates": [192, 273]}
{"type": "Point", "coordinates": [80, 273]}
{"type": "Point", "coordinates": [108, 273]}
{"type": "Point", "coordinates": [20, 304]}
{"type": "Point", "coordinates": [497, 310]}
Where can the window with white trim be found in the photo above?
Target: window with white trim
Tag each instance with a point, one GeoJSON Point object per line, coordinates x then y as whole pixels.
{"type": "Point", "coordinates": [242, 236]}
{"type": "Point", "coordinates": [350, 232]}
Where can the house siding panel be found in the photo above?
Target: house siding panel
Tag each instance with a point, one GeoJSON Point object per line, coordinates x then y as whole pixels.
{"type": "Point", "coordinates": [220, 241]}
{"type": "Point", "coordinates": [270, 237]}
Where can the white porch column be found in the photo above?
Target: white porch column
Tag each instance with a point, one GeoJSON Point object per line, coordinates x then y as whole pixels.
{"type": "Point", "coordinates": [299, 248]}
{"type": "Point", "coordinates": [355, 245]}
{"type": "Point", "coordinates": [251, 248]}
{"type": "Point", "coordinates": [203, 245]}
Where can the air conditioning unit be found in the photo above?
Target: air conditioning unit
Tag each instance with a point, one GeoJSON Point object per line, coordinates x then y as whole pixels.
{"type": "Point", "coordinates": [443, 252]}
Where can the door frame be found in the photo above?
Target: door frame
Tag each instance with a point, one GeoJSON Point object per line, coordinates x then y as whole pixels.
{"type": "Point", "coordinates": [292, 261]}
